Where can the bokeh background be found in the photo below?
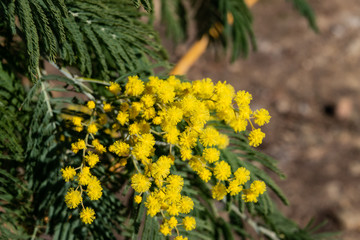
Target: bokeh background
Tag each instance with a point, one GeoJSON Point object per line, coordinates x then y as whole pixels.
{"type": "Point", "coordinates": [310, 83]}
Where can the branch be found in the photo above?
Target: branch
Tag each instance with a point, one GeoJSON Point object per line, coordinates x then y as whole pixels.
{"type": "Point", "coordinates": [254, 225]}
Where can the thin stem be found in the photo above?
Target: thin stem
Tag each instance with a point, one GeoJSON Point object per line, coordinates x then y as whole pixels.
{"type": "Point", "coordinates": [47, 100]}
{"type": "Point", "coordinates": [135, 164]}
{"type": "Point", "coordinates": [82, 79]}
{"type": "Point", "coordinates": [252, 126]}
{"type": "Point", "coordinates": [254, 225]}
{"type": "Point", "coordinates": [34, 233]}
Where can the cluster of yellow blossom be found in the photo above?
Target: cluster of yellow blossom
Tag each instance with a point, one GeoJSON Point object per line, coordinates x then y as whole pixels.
{"type": "Point", "coordinates": [176, 117]}
{"type": "Point", "coordinates": [81, 176]}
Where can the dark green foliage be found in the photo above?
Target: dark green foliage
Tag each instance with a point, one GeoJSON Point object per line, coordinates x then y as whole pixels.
{"type": "Point", "coordinates": [82, 33]}
{"type": "Point", "coordinates": [237, 34]}
{"type": "Point", "coordinates": [173, 15]}
{"type": "Point", "coordinates": [15, 206]}
{"type": "Point", "coordinates": [10, 126]}
{"type": "Point", "coordinates": [147, 4]}
{"type": "Point", "coordinates": [304, 8]}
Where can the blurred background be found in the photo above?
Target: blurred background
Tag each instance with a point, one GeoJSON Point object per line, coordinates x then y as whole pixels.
{"type": "Point", "coordinates": [310, 83]}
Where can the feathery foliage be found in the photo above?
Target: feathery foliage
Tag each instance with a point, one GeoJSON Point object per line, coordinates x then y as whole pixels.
{"type": "Point", "coordinates": [101, 38]}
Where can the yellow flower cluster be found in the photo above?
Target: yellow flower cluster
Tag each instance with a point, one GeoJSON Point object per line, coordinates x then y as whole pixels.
{"type": "Point", "coordinates": [81, 176]}
{"type": "Point", "coordinates": [177, 118]}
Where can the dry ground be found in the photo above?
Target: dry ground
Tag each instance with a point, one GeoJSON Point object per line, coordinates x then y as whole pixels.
{"type": "Point", "coordinates": [311, 85]}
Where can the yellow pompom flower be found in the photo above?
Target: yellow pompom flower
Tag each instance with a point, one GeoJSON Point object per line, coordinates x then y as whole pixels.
{"type": "Point", "coordinates": [140, 183]}
{"type": "Point", "coordinates": [242, 175]}
{"type": "Point", "coordinates": [114, 88]}
{"type": "Point", "coordinates": [186, 204]}
{"type": "Point", "coordinates": [186, 153]}
{"type": "Point", "coordinates": [173, 209]}
{"type": "Point", "coordinates": [189, 223]}
{"type": "Point", "coordinates": [80, 144]}
{"type": "Point", "coordinates": [222, 170]}
{"type": "Point", "coordinates": [165, 92]}
{"type": "Point", "coordinates": [211, 155]}
{"type": "Point", "coordinates": [255, 137]}
{"type": "Point", "coordinates": [172, 135]}
{"type": "Point", "coordinates": [175, 182]}
{"type": "Point", "coordinates": [204, 174]}
{"type": "Point", "coordinates": [165, 229]}
{"type": "Point", "coordinates": [157, 120]}
{"type": "Point", "coordinates": [138, 199]}
{"type": "Point", "coordinates": [234, 188]}
{"type": "Point", "coordinates": [91, 104]}
{"type": "Point", "coordinates": [68, 173]}
{"type": "Point", "coordinates": [153, 205]}
{"type": "Point", "coordinates": [92, 159]}
{"type": "Point", "coordinates": [107, 107]}
{"type": "Point", "coordinates": [98, 146]}
{"type": "Point", "coordinates": [92, 128]}
{"type": "Point", "coordinates": [134, 86]}
{"type": "Point", "coordinates": [148, 100]}
{"type": "Point", "coordinates": [94, 189]}
{"type": "Point", "coordinates": [134, 128]}
{"type": "Point", "coordinates": [223, 141]}
{"type": "Point", "coordinates": [84, 176]}
{"type": "Point", "coordinates": [120, 148]}
{"type": "Point", "coordinates": [219, 191]}
{"type": "Point", "coordinates": [172, 222]}
{"type": "Point", "coordinates": [258, 187]}
{"type": "Point", "coordinates": [209, 137]}
{"type": "Point", "coordinates": [87, 215]}
{"type": "Point", "coordinates": [73, 198]}
{"type": "Point", "coordinates": [203, 88]}
{"type": "Point", "coordinates": [173, 115]}
{"type": "Point", "coordinates": [249, 196]}
{"type": "Point", "coordinates": [238, 124]}
{"type": "Point", "coordinates": [180, 238]}
{"type": "Point", "coordinates": [187, 139]}
{"type": "Point", "coordinates": [149, 113]}
{"type": "Point", "coordinates": [76, 121]}
{"type": "Point", "coordinates": [161, 169]}
{"type": "Point", "coordinates": [261, 116]}
{"type": "Point", "coordinates": [189, 104]}
{"type": "Point", "coordinates": [122, 117]}
{"type": "Point", "coordinates": [243, 98]}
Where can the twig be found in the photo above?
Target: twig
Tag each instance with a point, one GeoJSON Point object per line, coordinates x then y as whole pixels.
{"type": "Point", "coordinates": [254, 225]}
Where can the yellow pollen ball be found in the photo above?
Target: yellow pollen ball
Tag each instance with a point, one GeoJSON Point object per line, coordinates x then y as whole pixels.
{"type": "Point", "coordinates": [256, 137]}
{"type": "Point", "coordinates": [94, 189]}
{"type": "Point", "coordinates": [172, 222]}
{"type": "Point", "coordinates": [219, 191]}
{"type": "Point", "coordinates": [222, 170]}
{"type": "Point", "coordinates": [138, 199]}
{"type": "Point", "coordinates": [92, 129]}
{"type": "Point", "coordinates": [92, 159]}
{"type": "Point", "coordinates": [180, 238]}
{"type": "Point", "coordinates": [242, 175]}
{"type": "Point", "coordinates": [114, 88]}
{"type": "Point", "coordinates": [134, 86]}
{"type": "Point", "coordinates": [107, 107]}
{"type": "Point", "coordinates": [91, 104]}
{"type": "Point", "coordinates": [68, 173]}
{"type": "Point", "coordinates": [87, 215]}
{"type": "Point", "coordinates": [211, 155]}
{"type": "Point", "coordinates": [140, 183]}
{"type": "Point", "coordinates": [261, 116]}
{"type": "Point", "coordinates": [73, 198]}
{"type": "Point", "coordinates": [189, 223]}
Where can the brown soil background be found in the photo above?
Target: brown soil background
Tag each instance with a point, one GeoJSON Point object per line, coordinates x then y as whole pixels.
{"type": "Point", "coordinates": [310, 83]}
